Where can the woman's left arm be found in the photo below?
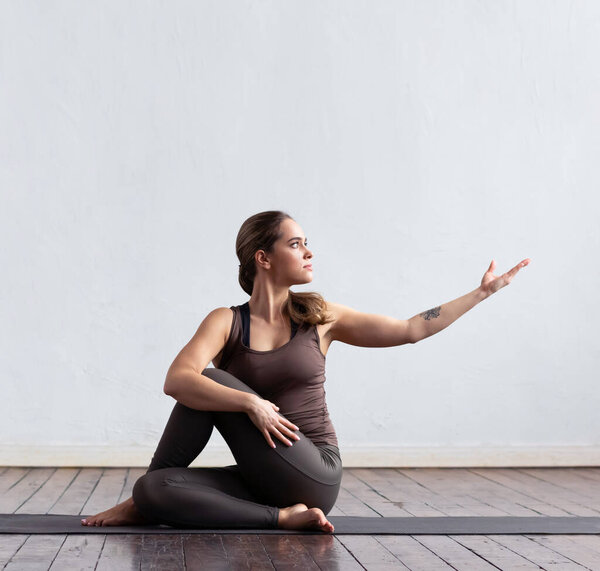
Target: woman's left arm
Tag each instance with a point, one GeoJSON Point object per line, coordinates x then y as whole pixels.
{"type": "Point", "coordinates": [434, 320]}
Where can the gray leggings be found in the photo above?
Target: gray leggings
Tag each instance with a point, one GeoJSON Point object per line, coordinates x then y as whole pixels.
{"type": "Point", "coordinates": [245, 495]}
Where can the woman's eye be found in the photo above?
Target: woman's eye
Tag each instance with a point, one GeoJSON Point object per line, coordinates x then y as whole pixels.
{"type": "Point", "coordinates": [294, 243]}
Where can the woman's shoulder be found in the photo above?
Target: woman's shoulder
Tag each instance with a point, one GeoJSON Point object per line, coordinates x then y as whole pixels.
{"type": "Point", "coordinates": [340, 316]}
{"type": "Point", "coordinates": [333, 310]}
{"type": "Point", "coordinates": [222, 318]}
{"type": "Point", "coordinates": [331, 314]}
{"type": "Point", "coordinates": [222, 313]}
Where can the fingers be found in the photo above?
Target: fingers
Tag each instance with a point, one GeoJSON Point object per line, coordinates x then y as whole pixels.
{"type": "Point", "coordinates": [280, 426]}
{"type": "Point", "coordinates": [282, 436]}
{"type": "Point", "coordinates": [511, 273]}
{"type": "Point", "coordinates": [278, 435]}
{"type": "Point", "coordinates": [291, 434]}
{"type": "Point", "coordinates": [268, 438]}
{"type": "Point", "coordinates": [287, 425]}
{"type": "Point", "coordinates": [519, 266]}
{"type": "Point", "coordinates": [290, 424]}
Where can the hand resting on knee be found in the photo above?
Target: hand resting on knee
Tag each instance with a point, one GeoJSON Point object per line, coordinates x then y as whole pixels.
{"type": "Point", "coordinates": [263, 413]}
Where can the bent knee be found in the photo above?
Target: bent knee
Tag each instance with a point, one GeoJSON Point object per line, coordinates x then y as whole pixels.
{"type": "Point", "coordinates": [227, 379]}
{"type": "Point", "coordinates": [146, 492]}
{"type": "Point", "coordinates": [140, 492]}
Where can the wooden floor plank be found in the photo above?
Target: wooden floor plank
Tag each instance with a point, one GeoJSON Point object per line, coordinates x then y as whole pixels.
{"type": "Point", "coordinates": [584, 475]}
{"type": "Point", "coordinates": [451, 491]}
{"type": "Point", "coordinates": [386, 483]}
{"type": "Point", "coordinates": [246, 552]}
{"type": "Point", "coordinates": [17, 495]}
{"type": "Point", "coordinates": [133, 474]}
{"type": "Point", "coordinates": [161, 552]}
{"type": "Point", "coordinates": [121, 552]}
{"type": "Point", "coordinates": [576, 552]}
{"type": "Point", "coordinates": [9, 545]}
{"type": "Point", "coordinates": [372, 497]}
{"type": "Point", "coordinates": [107, 492]}
{"type": "Point", "coordinates": [592, 473]}
{"type": "Point", "coordinates": [590, 541]}
{"type": "Point", "coordinates": [37, 553]}
{"type": "Point", "coordinates": [501, 498]}
{"type": "Point", "coordinates": [287, 551]}
{"type": "Point", "coordinates": [352, 505]}
{"type": "Point", "coordinates": [406, 494]}
{"type": "Point", "coordinates": [411, 553]}
{"type": "Point", "coordinates": [78, 552]}
{"type": "Point", "coordinates": [48, 494]}
{"type": "Point", "coordinates": [525, 496]}
{"type": "Point", "coordinates": [370, 553]}
{"type": "Point", "coordinates": [329, 553]}
{"type": "Point", "coordinates": [79, 485]}
{"type": "Point", "coordinates": [585, 490]}
{"type": "Point", "coordinates": [572, 502]}
{"type": "Point", "coordinates": [204, 551]}
{"type": "Point", "coordinates": [398, 481]}
{"type": "Point", "coordinates": [11, 476]}
{"type": "Point", "coordinates": [454, 553]}
{"type": "Point", "coordinates": [478, 494]}
{"type": "Point", "coordinates": [536, 553]}
{"type": "Point", "coordinates": [76, 495]}
{"type": "Point", "coordinates": [493, 552]}
{"type": "Point", "coordinates": [568, 500]}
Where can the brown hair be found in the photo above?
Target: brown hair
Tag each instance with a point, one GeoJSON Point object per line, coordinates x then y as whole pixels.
{"type": "Point", "coordinates": [260, 232]}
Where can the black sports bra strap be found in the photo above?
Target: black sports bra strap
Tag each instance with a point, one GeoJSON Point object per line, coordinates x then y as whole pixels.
{"type": "Point", "coordinates": [245, 315]}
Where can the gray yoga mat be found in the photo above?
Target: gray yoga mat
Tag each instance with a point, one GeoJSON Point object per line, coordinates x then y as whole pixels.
{"type": "Point", "coordinates": [349, 525]}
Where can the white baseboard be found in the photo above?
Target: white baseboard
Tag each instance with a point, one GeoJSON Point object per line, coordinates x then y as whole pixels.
{"type": "Point", "coordinates": [352, 456]}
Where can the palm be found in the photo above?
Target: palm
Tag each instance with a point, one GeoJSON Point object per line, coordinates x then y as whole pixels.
{"type": "Point", "coordinates": [491, 284]}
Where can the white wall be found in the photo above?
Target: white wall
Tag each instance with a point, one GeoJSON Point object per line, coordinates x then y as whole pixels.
{"type": "Point", "coordinates": [413, 142]}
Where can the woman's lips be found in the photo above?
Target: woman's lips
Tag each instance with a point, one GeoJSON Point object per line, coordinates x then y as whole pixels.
{"type": "Point", "coordinates": [309, 267]}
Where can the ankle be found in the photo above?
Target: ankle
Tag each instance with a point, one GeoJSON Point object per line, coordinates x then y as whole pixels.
{"type": "Point", "coordinates": [281, 517]}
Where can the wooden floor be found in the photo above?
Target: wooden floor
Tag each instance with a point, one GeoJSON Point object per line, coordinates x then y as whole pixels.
{"type": "Point", "coordinates": [365, 492]}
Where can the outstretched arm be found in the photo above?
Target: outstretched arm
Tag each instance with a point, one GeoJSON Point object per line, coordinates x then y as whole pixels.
{"type": "Point", "coordinates": [372, 330]}
{"type": "Point", "coordinates": [434, 320]}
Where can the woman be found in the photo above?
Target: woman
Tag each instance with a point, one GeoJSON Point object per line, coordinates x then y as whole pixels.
{"type": "Point", "coordinates": [265, 395]}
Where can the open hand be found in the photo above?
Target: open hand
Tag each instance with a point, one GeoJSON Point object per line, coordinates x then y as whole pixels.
{"type": "Point", "coordinates": [263, 413]}
{"type": "Point", "coordinates": [491, 284]}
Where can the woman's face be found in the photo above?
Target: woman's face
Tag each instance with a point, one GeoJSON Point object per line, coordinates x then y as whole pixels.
{"type": "Point", "coordinates": [291, 254]}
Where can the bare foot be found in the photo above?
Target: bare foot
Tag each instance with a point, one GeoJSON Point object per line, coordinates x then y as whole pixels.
{"type": "Point", "coordinates": [299, 516]}
{"type": "Point", "coordinates": [124, 513]}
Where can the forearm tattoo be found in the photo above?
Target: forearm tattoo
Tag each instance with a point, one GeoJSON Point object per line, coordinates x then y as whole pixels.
{"type": "Point", "coordinates": [431, 313]}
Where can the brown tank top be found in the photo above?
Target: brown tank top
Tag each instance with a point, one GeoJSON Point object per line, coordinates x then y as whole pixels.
{"type": "Point", "coordinates": [291, 376]}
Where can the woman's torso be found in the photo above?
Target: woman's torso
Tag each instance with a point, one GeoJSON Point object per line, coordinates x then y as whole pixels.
{"type": "Point", "coordinates": [291, 373]}
{"type": "Point", "coordinates": [269, 339]}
